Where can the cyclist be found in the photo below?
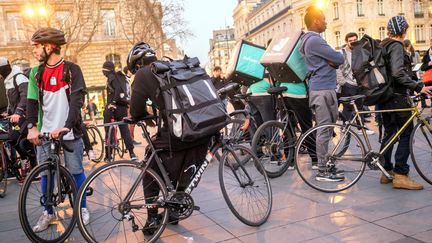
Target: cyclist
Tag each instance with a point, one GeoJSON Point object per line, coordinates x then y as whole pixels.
{"type": "Point", "coordinates": [402, 84]}
{"type": "Point", "coordinates": [15, 83]}
{"type": "Point", "coordinates": [117, 104]}
{"type": "Point", "coordinates": [55, 96]}
{"type": "Point", "coordinates": [176, 154]}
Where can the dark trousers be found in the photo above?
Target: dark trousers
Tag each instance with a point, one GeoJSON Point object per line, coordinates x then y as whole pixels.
{"type": "Point", "coordinates": [86, 139]}
{"type": "Point", "coordinates": [265, 106]}
{"type": "Point", "coordinates": [118, 115]}
{"type": "Point", "coordinates": [18, 140]}
{"type": "Point", "coordinates": [392, 122]}
{"type": "Point", "coordinates": [304, 117]}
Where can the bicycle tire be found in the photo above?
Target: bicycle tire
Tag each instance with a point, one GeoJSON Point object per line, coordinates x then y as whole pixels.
{"type": "Point", "coordinates": [270, 137]}
{"type": "Point", "coordinates": [249, 175]}
{"type": "Point", "coordinates": [68, 189]}
{"type": "Point", "coordinates": [351, 161]}
{"type": "Point", "coordinates": [3, 173]}
{"type": "Point", "coordinates": [421, 151]}
{"type": "Point", "coordinates": [101, 177]}
{"type": "Point", "coordinates": [121, 149]}
{"type": "Point", "coordinates": [110, 146]}
{"type": "Point", "coordinates": [97, 142]}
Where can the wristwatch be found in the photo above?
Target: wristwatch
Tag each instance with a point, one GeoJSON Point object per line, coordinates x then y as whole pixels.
{"type": "Point", "coordinates": [30, 125]}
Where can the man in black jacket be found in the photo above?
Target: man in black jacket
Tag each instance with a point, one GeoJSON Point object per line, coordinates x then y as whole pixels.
{"type": "Point", "coordinates": [117, 104]}
{"type": "Point", "coordinates": [402, 84]}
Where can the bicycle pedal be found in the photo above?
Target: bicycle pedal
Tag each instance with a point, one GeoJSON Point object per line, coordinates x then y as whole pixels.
{"type": "Point", "coordinates": [197, 208]}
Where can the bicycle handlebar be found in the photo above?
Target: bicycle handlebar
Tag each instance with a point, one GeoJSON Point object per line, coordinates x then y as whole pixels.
{"type": "Point", "coordinates": [46, 137]}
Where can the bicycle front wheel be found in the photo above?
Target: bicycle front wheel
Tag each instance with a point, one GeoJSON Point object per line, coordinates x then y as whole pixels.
{"type": "Point", "coordinates": [245, 186]}
{"type": "Point", "coordinates": [33, 204]}
{"type": "Point", "coordinates": [421, 151]}
{"type": "Point", "coordinates": [111, 218]}
{"type": "Point", "coordinates": [274, 146]}
{"type": "Point", "coordinates": [96, 141]}
{"type": "Point", "coordinates": [338, 152]}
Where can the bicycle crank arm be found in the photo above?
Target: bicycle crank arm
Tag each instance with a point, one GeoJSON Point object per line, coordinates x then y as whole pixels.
{"type": "Point", "coordinates": [390, 177]}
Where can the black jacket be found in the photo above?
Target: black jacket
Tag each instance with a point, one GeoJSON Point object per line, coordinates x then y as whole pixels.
{"type": "Point", "coordinates": [397, 68]}
{"type": "Point", "coordinates": [117, 89]}
{"type": "Point", "coordinates": [425, 62]}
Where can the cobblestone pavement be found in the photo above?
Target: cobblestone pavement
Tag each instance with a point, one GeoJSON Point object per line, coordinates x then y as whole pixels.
{"type": "Point", "coordinates": [367, 212]}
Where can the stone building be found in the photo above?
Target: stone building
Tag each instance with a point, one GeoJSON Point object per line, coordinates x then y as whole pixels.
{"type": "Point", "coordinates": [221, 44]}
{"type": "Point", "coordinates": [96, 30]}
{"type": "Point", "coordinates": [267, 17]}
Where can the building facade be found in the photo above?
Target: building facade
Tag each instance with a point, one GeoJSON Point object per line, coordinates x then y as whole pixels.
{"type": "Point", "coordinates": [221, 44]}
{"type": "Point", "coordinates": [361, 16]}
{"type": "Point", "coordinates": [96, 31]}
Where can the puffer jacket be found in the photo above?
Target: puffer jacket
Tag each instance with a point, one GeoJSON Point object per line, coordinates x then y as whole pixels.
{"type": "Point", "coordinates": [402, 83]}
{"type": "Point", "coordinates": [17, 97]}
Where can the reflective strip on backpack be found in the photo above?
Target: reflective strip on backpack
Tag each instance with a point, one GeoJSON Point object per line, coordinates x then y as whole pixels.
{"type": "Point", "coordinates": [189, 95]}
{"type": "Point", "coordinates": [379, 77]}
{"type": "Point", "coordinates": [210, 89]}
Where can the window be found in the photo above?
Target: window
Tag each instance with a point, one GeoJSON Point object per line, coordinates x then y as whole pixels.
{"type": "Point", "coordinates": [108, 20]}
{"type": "Point", "coordinates": [430, 32]}
{"type": "Point", "coordinates": [360, 8]}
{"type": "Point", "coordinates": [418, 9]}
{"type": "Point", "coordinates": [380, 7]}
{"type": "Point", "coordinates": [336, 10]}
{"type": "Point", "coordinates": [115, 58]}
{"type": "Point", "coordinates": [338, 38]}
{"type": "Point", "coordinates": [400, 6]}
{"type": "Point", "coordinates": [62, 18]}
{"type": "Point", "coordinates": [419, 35]}
{"type": "Point", "coordinates": [15, 26]}
{"type": "Point", "coordinates": [382, 32]}
{"type": "Point", "coordinates": [361, 32]}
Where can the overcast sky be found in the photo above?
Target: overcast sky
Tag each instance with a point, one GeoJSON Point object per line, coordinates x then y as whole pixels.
{"type": "Point", "coordinates": [203, 17]}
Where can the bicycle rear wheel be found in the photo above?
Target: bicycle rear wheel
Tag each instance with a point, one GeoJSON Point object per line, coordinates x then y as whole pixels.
{"type": "Point", "coordinates": [32, 203]}
{"type": "Point", "coordinates": [111, 219]}
{"type": "Point", "coordinates": [96, 142]}
{"type": "Point", "coordinates": [421, 151]}
{"type": "Point", "coordinates": [344, 161]}
{"type": "Point", "coordinates": [274, 147]}
{"type": "Point", "coordinates": [3, 173]}
{"type": "Point", "coordinates": [245, 186]}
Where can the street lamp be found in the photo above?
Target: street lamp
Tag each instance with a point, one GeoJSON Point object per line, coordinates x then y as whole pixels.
{"type": "Point", "coordinates": [321, 4]}
{"type": "Point", "coordinates": [35, 12]}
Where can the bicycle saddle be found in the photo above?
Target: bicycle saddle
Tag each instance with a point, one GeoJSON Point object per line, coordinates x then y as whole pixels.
{"type": "Point", "coordinates": [242, 96]}
{"type": "Point", "coordinates": [351, 98]}
{"type": "Point", "coordinates": [276, 90]}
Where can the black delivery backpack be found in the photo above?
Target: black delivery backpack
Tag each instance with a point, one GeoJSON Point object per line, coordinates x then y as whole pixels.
{"type": "Point", "coordinates": [192, 106]}
{"type": "Point", "coordinates": [283, 59]}
{"type": "Point", "coordinates": [244, 66]}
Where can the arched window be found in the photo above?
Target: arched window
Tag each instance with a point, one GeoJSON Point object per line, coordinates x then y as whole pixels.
{"type": "Point", "coordinates": [382, 32]}
{"type": "Point", "coordinates": [115, 58]}
{"type": "Point", "coordinates": [338, 38]}
{"type": "Point", "coordinates": [336, 10]}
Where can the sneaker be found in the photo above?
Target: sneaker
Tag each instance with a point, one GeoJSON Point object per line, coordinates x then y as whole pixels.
{"type": "Point", "coordinates": [91, 155]}
{"type": "Point", "coordinates": [44, 221]}
{"type": "Point", "coordinates": [291, 167]}
{"type": "Point", "coordinates": [136, 142]}
{"type": "Point", "coordinates": [315, 167]}
{"type": "Point", "coordinates": [328, 176]}
{"type": "Point", "coordinates": [133, 156]}
{"type": "Point", "coordinates": [151, 225]}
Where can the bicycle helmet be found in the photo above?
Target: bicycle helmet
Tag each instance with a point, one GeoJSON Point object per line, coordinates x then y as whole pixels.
{"type": "Point", "coordinates": [141, 53]}
{"type": "Point", "coordinates": [49, 35]}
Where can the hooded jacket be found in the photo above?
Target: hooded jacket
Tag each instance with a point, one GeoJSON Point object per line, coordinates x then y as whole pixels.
{"type": "Point", "coordinates": [397, 68]}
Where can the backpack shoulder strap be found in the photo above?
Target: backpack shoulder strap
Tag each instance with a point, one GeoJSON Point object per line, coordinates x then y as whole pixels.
{"type": "Point", "coordinates": [67, 75]}
{"type": "Point", "coordinates": [14, 80]}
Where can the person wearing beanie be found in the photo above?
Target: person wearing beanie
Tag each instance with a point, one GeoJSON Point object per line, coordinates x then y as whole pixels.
{"type": "Point", "coordinates": [402, 84]}
{"type": "Point", "coordinates": [16, 83]}
{"type": "Point", "coordinates": [118, 96]}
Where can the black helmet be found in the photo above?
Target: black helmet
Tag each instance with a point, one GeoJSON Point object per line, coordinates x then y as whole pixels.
{"type": "Point", "coordinates": [141, 53]}
{"type": "Point", "coordinates": [49, 35]}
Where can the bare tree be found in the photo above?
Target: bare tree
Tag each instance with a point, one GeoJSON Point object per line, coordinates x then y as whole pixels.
{"type": "Point", "coordinates": [79, 19]}
{"type": "Point", "coordinates": [153, 21]}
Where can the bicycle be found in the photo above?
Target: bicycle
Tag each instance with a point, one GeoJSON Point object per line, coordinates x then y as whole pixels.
{"type": "Point", "coordinates": [118, 204]}
{"type": "Point", "coordinates": [58, 196]}
{"type": "Point", "coordinates": [113, 144]}
{"type": "Point", "coordinates": [274, 140]}
{"type": "Point", "coordinates": [348, 155]}
{"type": "Point", "coordinates": [96, 141]}
{"type": "Point", "coordinates": [9, 166]}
